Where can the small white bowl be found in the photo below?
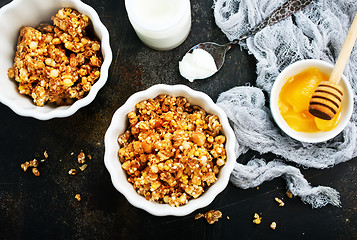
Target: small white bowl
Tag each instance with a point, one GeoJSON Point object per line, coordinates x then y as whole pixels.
{"type": "Point", "coordinates": [119, 124]}
{"type": "Point", "coordinates": [347, 101]}
{"type": "Point", "coordinates": [20, 13]}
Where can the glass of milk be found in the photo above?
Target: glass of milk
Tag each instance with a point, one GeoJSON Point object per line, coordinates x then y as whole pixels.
{"type": "Point", "coordinates": [160, 24]}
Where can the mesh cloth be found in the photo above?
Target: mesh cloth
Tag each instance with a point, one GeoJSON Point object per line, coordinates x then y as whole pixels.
{"type": "Point", "coordinates": [316, 32]}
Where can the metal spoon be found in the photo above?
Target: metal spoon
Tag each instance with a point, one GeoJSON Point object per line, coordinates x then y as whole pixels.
{"type": "Point", "coordinates": [218, 52]}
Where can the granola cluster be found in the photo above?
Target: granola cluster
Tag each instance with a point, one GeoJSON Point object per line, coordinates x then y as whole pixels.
{"type": "Point", "coordinates": [172, 151]}
{"type": "Point", "coordinates": [57, 63]}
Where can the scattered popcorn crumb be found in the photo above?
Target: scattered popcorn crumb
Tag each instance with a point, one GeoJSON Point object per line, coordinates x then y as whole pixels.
{"type": "Point", "coordinates": [257, 219]}
{"type": "Point", "coordinates": [83, 167]}
{"type": "Point", "coordinates": [35, 172]}
{"type": "Point", "coordinates": [281, 203]}
{"type": "Point", "coordinates": [198, 216]}
{"type": "Point", "coordinates": [228, 217]}
{"type": "Point", "coordinates": [273, 225]}
{"type": "Point", "coordinates": [211, 216]}
{"type": "Point", "coordinates": [89, 156]}
{"type": "Point", "coordinates": [78, 197]}
{"type": "Point", "coordinates": [25, 165]}
{"type": "Point", "coordinates": [45, 154]}
{"type": "Point", "coordinates": [72, 172]}
{"type": "Point", "coordinates": [257, 188]}
{"type": "Point", "coordinates": [289, 194]}
{"type": "Point", "coordinates": [81, 158]}
{"type": "Point", "coordinates": [34, 163]}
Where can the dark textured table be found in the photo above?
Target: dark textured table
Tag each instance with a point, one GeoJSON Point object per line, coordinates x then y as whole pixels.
{"type": "Point", "coordinates": [44, 207]}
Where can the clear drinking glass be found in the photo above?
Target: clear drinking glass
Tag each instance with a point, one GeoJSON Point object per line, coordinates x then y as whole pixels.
{"type": "Point", "coordinates": [160, 24]}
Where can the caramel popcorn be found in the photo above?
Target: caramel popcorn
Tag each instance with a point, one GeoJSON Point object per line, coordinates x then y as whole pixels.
{"type": "Point", "coordinates": [273, 225]}
{"type": "Point", "coordinates": [83, 167]}
{"type": "Point", "coordinates": [78, 197]}
{"type": "Point", "coordinates": [199, 215]}
{"type": "Point", "coordinates": [72, 171]}
{"type": "Point", "coordinates": [81, 157]}
{"type": "Point", "coordinates": [172, 151]}
{"type": "Point", "coordinates": [34, 164]}
{"type": "Point", "coordinates": [211, 216]}
{"type": "Point", "coordinates": [56, 63]}
{"type": "Point", "coordinates": [278, 200]}
{"type": "Point", "coordinates": [35, 172]}
{"type": "Point", "coordinates": [257, 219]}
{"type": "Point", "coordinates": [25, 166]}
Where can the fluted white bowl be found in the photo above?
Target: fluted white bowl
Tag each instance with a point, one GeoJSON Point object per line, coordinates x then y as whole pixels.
{"type": "Point", "coordinates": [20, 13]}
{"type": "Point", "coordinates": [118, 126]}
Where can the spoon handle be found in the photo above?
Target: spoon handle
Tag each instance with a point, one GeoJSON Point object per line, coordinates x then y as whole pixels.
{"type": "Point", "coordinates": [345, 53]}
{"type": "Point", "coordinates": [288, 8]}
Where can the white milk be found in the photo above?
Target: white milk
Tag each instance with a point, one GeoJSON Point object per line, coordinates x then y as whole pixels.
{"type": "Point", "coordinates": [197, 65]}
{"type": "Point", "coordinates": [160, 24]}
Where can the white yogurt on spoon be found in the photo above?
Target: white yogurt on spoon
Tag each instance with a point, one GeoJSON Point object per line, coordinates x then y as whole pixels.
{"type": "Point", "coordinates": [197, 65]}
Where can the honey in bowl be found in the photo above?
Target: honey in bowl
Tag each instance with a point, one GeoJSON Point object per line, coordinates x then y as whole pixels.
{"type": "Point", "coordinates": [294, 99]}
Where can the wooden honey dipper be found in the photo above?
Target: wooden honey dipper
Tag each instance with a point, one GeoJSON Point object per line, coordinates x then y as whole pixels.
{"type": "Point", "coordinates": [327, 98]}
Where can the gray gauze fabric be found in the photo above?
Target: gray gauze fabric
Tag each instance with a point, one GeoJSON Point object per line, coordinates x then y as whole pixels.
{"type": "Point", "coordinates": [316, 32]}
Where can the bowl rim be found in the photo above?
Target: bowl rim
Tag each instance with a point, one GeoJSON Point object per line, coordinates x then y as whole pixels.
{"type": "Point", "coordinates": [112, 163]}
{"type": "Point", "coordinates": [65, 111]}
{"type": "Point", "coordinates": [309, 137]}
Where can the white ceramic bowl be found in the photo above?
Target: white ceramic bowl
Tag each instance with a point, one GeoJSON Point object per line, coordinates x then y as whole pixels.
{"type": "Point", "coordinates": [347, 101]}
{"type": "Point", "coordinates": [20, 13]}
{"type": "Point", "coordinates": [120, 123]}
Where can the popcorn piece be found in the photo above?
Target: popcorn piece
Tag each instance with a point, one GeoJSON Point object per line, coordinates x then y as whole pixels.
{"type": "Point", "coordinates": [34, 163]}
{"type": "Point", "coordinates": [281, 203]}
{"type": "Point", "coordinates": [72, 172]}
{"type": "Point", "coordinates": [257, 219]}
{"type": "Point", "coordinates": [25, 166]}
{"type": "Point", "coordinates": [83, 167]}
{"type": "Point", "coordinates": [289, 194]}
{"type": "Point", "coordinates": [78, 197]}
{"type": "Point", "coordinates": [273, 225]}
{"type": "Point", "coordinates": [35, 172]}
{"type": "Point", "coordinates": [71, 21]}
{"type": "Point", "coordinates": [199, 215]}
{"type": "Point", "coordinates": [81, 158]}
{"type": "Point", "coordinates": [213, 216]}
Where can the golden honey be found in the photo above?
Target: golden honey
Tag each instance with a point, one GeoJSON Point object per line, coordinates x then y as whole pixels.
{"type": "Point", "coordinates": [294, 99]}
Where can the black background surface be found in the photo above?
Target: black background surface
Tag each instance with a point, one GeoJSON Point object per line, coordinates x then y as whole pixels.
{"type": "Point", "coordinates": [45, 208]}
